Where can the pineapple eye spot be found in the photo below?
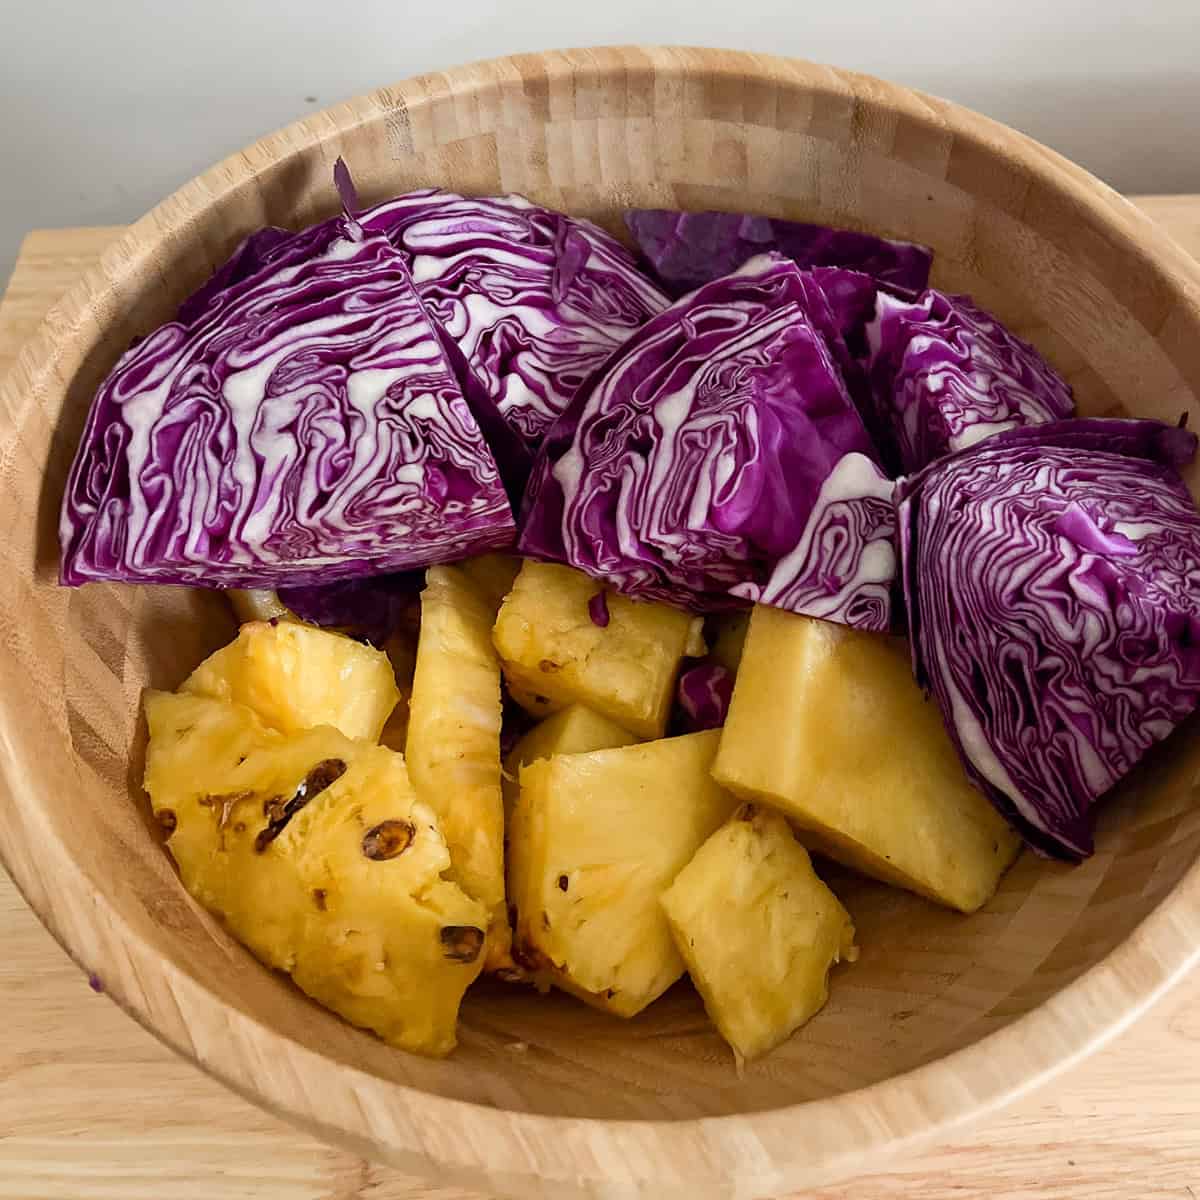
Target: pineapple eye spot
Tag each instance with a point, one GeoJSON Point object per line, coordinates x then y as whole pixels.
{"type": "Point", "coordinates": [549, 666]}
{"type": "Point", "coordinates": [326, 772]}
{"type": "Point", "coordinates": [462, 943]}
{"type": "Point", "coordinates": [319, 898]}
{"type": "Point", "coordinates": [563, 883]}
{"type": "Point", "coordinates": [388, 839]}
{"type": "Point", "coordinates": [167, 820]}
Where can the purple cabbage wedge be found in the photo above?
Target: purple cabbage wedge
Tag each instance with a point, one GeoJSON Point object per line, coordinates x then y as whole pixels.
{"type": "Point", "coordinates": [262, 247]}
{"type": "Point", "coordinates": [536, 300]}
{"type": "Point", "coordinates": [373, 606]}
{"type": "Point", "coordinates": [718, 460]}
{"type": "Point", "coordinates": [1052, 578]}
{"type": "Point", "coordinates": [946, 374]}
{"type": "Point", "coordinates": [302, 426]}
{"type": "Point", "coordinates": [686, 250]}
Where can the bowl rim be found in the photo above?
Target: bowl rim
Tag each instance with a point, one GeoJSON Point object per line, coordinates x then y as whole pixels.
{"type": "Point", "coordinates": [474, 1145]}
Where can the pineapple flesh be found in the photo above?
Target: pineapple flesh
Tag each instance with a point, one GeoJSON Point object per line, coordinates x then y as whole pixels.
{"type": "Point", "coordinates": [758, 930]}
{"type": "Point", "coordinates": [453, 743]}
{"type": "Point", "coordinates": [258, 604]}
{"type": "Point", "coordinates": [554, 654]}
{"type": "Point", "coordinates": [602, 835]}
{"type": "Point", "coordinates": [296, 676]}
{"type": "Point", "coordinates": [315, 851]}
{"type": "Point", "coordinates": [827, 724]}
{"type": "Point", "coordinates": [574, 730]}
{"type": "Point", "coordinates": [492, 576]}
{"type": "Point", "coordinates": [730, 637]}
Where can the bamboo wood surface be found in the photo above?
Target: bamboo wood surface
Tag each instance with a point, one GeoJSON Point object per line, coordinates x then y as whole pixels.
{"type": "Point", "coordinates": [94, 1108]}
{"type": "Point", "coordinates": [943, 1017]}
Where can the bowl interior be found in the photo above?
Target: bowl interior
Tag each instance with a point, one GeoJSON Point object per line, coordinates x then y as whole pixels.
{"type": "Point", "coordinates": [1050, 251]}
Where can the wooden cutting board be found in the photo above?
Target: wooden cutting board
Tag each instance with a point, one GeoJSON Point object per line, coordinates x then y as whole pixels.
{"type": "Point", "coordinates": [93, 1108]}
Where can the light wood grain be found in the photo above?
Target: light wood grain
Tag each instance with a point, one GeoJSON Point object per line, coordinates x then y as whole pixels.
{"type": "Point", "coordinates": [93, 1108]}
{"type": "Point", "coordinates": [944, 1016]}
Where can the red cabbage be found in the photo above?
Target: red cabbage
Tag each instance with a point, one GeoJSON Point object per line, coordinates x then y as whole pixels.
{"type": "Point", "coordinates": [718, 459]}
{"type": "Point", "coordinates": [254, 253]}
{"type": "Point", "coordinates": [303, 426]}
{"type": "Point", "coordinates": [373, 607]}
{"type": "Point", "coordinates": [1052, 579]}
{"type": "Point", "coordinates": [598, 609]}
{"type": "Point", "coordinates": [343, 181]}
{"type": "Point", "coordinates": [946, 374]}
{"type": "Point", "coordinates": [704, 693]}
{"type": "Point", "coordinates": [688, 249]}
{"type": "Point", "coordinates": [851, 299]}
{"type": "Point", "coordinates": [535, 299]}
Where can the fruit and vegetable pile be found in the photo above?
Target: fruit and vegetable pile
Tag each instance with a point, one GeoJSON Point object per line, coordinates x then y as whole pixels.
{"type": "Point", "coordinates": [583, 593]}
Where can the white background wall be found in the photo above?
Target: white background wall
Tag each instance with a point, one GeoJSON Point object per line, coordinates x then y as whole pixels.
{"type": "Point", "coordinates": [108, 105]}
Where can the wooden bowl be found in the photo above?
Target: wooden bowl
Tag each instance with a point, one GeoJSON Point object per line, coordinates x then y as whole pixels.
{"type": "Point", "coordinates": [945, 1015]}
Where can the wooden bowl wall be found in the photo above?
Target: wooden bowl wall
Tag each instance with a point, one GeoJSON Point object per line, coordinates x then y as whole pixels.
{"type": "Point", "coordinates": [944, 1015]}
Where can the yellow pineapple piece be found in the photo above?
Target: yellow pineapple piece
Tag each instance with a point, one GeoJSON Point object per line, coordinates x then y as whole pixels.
{"type": "Point", "coordinates": [730, 638]}
{"type": "Point", "coordinates": [391, 941]}
{"type": "Point", "coordinates": [603, 834]}
{"type": "Point", "coordinates": [296, 676]}
{"type": "Point", "coordinates": [554, 654]}
{"type": "Point", "coordinates": [453, 746]}
{"type": "Point", "coordinates": [258, 604]}
{"type": "Point", "coordinates": [317, 855]}
{"type": "Point", "coordinates": [758, 930]}
{"type": "Point", "coordinates": [827, 725]}
{"type": "Point", "coordinates": [573, 730]}
{"type": "Point", "coordinates": [492, 576]}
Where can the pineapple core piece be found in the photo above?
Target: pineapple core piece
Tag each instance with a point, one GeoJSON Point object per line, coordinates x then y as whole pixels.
{"type": "Point", "coordinates": [730, 637]}
{"type": "Point", "coordinates": [827, 724]}
{"type": "Point", "coordinates": [297, 676]}
{"type": "Point", "coordinates": [453, 746]}
{"type": "Point", "coordinates": [492, 576]}
{"type": "Point", "coordinates": [554, 654]}
{"type": "Point", "coordinates": [574, 730]}
{"type": "Point", "coordinates": [602, 835]}
{"type": "Point", "coordinates": [758, 930]}
{"type": "Point", "coordinates": [317, 855]}
{"type": "Point", "coordinates": [258, 604]}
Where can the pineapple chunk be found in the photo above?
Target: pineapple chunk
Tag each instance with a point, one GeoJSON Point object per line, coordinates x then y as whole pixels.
{"type": "Point", "coordinates": [573, 730]}
{"type": "Point", "coordinates": [730, 639]}
{"type": "Point", "coordinates": [453, 746]}
{"type": "Point", "coordinates": [297, 676]}
{"type": "Point", "coordinates": [604, 835]}
{"type": "Point", "coordinates": [492, 576]}
{"type": "Point", "coordinates": [758, 930]}
{"type": "Point", "coordinates": [258, 604]}
{"type": "Point", "coordinates": [554, 654]}
{"type": "Point", "coordinates": [315, 852]}
{"type": "Point", "coordinates": [827, 724]}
